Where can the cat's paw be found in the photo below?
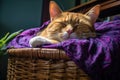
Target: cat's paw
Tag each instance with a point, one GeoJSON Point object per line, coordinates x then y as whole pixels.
{"type": "Point", "coordinates": [38, 40]}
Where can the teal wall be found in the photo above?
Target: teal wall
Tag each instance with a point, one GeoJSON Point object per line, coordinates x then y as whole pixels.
{"type": "Point", "coordinates": [65, 4]}
{"type": "Point", "coordinates": [19, 14]}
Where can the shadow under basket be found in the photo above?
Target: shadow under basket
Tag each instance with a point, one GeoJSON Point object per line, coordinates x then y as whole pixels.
{"type": "Point", "coordinates": [42, 64]}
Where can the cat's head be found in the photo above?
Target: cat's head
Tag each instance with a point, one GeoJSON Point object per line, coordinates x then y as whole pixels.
{"type": "Point", "coordinates": [69, 25]}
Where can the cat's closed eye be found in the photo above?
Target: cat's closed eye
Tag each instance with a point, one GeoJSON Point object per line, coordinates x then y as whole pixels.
{"type": "Point", "coordinates": [76, 25]}
{"type": "Point", "coordinates": [63, 24]}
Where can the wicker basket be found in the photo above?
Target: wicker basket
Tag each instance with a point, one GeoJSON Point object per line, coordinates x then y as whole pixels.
{"type": "Point", "coordinates": [42, 64]}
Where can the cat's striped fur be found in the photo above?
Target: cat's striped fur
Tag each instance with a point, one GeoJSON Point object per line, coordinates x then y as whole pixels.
{"type": "Point", "coordinates": [67, 25]}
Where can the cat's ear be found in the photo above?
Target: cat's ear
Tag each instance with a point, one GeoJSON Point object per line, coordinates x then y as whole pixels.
{"type": "Point", "coordinates": [54, 10]}
{"type": "Point", "coordinates": [94, 13]}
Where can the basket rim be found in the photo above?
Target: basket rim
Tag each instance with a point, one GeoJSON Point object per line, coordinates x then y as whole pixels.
{"type": "Point", "coordinates": [46, 53]}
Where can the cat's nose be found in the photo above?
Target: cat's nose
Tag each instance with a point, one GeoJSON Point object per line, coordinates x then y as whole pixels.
{"type": "Point", "coordinates": [69, 31]}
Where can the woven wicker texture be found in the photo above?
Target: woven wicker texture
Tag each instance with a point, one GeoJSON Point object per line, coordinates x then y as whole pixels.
{"type": "Point", "coordinates": [42, 64]}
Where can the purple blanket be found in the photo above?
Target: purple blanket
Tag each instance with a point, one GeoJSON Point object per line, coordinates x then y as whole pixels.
{"type": "Point", "coordinates": [94, 55]}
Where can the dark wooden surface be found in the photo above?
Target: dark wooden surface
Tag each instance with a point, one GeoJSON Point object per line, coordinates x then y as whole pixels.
{"type": "Point", "coordinates": [108, 7]}
{"type": "Point", "coordinates": [45, 11]}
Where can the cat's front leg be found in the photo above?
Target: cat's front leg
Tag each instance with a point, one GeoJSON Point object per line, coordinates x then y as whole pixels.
{"type": "Point", "coordinates": [39, 40]}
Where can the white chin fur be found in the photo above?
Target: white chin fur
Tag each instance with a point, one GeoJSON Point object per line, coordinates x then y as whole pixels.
{"type": "Point", "coordinates": [65, 35]}
{"type": "Point", "coordinates": [38, 40]}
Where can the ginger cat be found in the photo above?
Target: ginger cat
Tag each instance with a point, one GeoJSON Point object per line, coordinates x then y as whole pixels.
{"type": "Point", "coordinates": [66, 25]}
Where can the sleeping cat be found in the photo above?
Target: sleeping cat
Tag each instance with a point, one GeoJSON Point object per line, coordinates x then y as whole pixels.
{"type": "Point", "coordinates": [66, 25]}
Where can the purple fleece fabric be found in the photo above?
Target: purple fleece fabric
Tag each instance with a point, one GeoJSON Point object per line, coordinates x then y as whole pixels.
{"type": "Point", "coordinates": [94, 55]}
